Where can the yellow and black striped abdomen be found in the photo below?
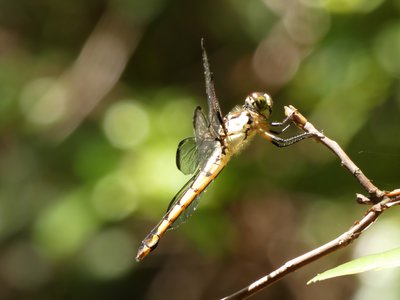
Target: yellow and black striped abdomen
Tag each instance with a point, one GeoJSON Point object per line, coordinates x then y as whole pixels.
{"type": "Point", "coordinates": [210, 170]}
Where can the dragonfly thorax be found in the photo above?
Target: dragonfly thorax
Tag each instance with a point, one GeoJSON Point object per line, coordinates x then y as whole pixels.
{"type": "Point", "coordinates": [239, 130]}
{"type": "Point", "coordinates": [260, 103]}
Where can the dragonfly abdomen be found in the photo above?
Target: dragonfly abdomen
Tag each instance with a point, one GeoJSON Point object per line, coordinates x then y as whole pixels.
{"type": "Point", "coordinates": [213, 167]}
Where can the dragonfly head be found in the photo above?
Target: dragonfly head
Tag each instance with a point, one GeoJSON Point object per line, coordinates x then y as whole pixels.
{"type": "Point", "coordinates": [259, 102]}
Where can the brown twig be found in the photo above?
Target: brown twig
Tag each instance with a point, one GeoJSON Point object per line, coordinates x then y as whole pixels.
{"type": "Point", "coordinates": [374, 193]}
{"type": "Point", "coordinates": [382, 201]}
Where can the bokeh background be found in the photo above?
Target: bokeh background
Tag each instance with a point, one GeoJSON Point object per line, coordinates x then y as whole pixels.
{"type": "Point", "coordinates": [96, 95]}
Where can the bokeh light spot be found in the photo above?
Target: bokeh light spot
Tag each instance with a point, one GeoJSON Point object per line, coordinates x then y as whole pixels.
{"type": "Point", "coordinates": [175, 118]}
{"type": "Point", "coordinates": [64, 226]}
{"type": "Point", "coordinates": [155, 174]}
{"type": "Point", "coordinates": [345, 6]}
{"type": "Point", "coordinates": [109, 254]}
{"type": "Point", "coordinates": [276, 60]}
{"type": "Point", "coordinates": [306, 25]}
{"type": "Point", "coordinates": [387, 48]}
{"type": "Point", "coordinates": [126, 124]}
{"type": "Point", "coordinates": [114, 197]}
{"type": "Point", "coordinates": [43, 102]}
{"type": "Point", "coordinates": [256, 17]}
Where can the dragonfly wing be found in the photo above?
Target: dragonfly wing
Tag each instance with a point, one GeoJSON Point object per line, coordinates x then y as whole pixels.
{"type": "Point", "coordinates": [205, 139]}
{"type": "Point", "coordinates": [191, 155]}
{"type": "Point", "coordinates": [187, 160]}
{"type": "Point", "coordinates": [194, 153]}
{"type": "Point", "coordinates": [214, 110]}
{"type": "Point", "coordinates": [187, 213]}
{"type": "Point", "coordinates": [200, 125]}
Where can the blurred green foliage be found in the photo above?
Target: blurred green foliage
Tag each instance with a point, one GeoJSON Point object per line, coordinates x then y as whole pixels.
{"type": "Point", "coordinates": [96, 95]}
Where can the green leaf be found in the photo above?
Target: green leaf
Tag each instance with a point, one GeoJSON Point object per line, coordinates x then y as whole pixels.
{"type": "Point", "coordinates": [378, 261]}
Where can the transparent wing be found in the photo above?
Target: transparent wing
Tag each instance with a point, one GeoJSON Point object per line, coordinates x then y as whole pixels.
{"type": "Point", "coordinates": [194, 153]}
{"type": "Point", "coordinates": [187, 213]}
{"type": "Point", "coordinates": [214, 110]}
{"type": "Point", "coordinates": [187, 160]}
{"type": "Point", "coordinates": [205, 139]}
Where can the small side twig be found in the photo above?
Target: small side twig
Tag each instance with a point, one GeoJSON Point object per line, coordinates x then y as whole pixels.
{"type": "Point", "coordinates": [382, 200]}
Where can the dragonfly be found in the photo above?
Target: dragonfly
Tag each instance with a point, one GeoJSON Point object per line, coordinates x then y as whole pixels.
{"type": "Point", "coordinates": [216, 139]}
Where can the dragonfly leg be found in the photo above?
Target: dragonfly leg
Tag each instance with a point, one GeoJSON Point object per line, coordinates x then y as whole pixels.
{"type": "Point", "coordinates": [280, 142]}
{"type": "Point", "coordinates": [286, 123]}
{"type": "Point", "coordinates": [279, 130]}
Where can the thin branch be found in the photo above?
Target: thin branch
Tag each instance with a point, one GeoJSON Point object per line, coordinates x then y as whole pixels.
{"type": "Point", "coordinates": [382, 200]}
{"type": "Point", "coordinates": [375, 194]}
{"type": "Point", "coordinates": [292, 265]}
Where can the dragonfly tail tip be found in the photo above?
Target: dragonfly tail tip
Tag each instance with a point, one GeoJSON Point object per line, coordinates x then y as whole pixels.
{"type": "Point", "coordinates": [142, 252]}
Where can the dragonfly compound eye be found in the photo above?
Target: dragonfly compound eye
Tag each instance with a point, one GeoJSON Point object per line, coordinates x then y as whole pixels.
{"type": "Point", "coordinates": [260, 102]}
